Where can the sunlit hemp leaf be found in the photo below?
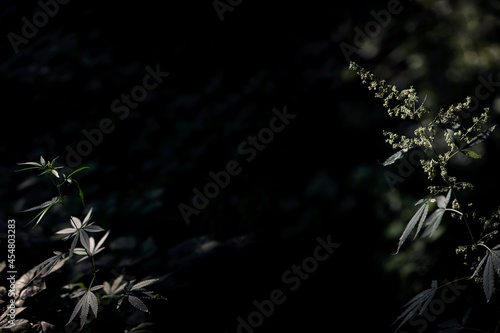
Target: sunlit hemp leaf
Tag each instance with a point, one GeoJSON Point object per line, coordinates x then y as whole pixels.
{"type": "Point", "coordinates": [133, 293]}
{"type": "Point", "coordinates": [492, 259]}
{"type": "Point", "coordinates": [419, 217]}
{"type": "Point", "coordinates": [480, 137]}
{"type": "Point", "coordinates": [50, 265]}
{"type": "Point", "coordinates": [417, 304]}
{"type": "Point", "coordinates": [45, 208]}
{"type": "Point", "coordinates": [434, 220]}
{"type": "Point", "coordinates": [79, 231]}
{"type": "Point", "coordinates": [47, 167]}
{"type": "Point", "coordinates": [88, 300]}
{"type": "Point", "coordinates": [93, 249]}
{"type": "Point", "coordinates": [396, 156]}
{"type": "Point", "coordinates": [115, 288]}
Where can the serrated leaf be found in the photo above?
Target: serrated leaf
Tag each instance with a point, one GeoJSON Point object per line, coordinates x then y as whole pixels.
{"type": "Point", "coordinates": [480, 137]}
{"type": "Point", "coordinates": [50, 265]}
{"type": "Point", "coordinates": [137, 303]}
{"type": "Point", "coordinates": [418, 303]}
{"type": "Point", "coordinates": [491, 263]}
{"type": "Point", "coordinates": [419, 217]}
{"type": "Point", "coordinates": [88, 301]}
{"type": "Point", "coordinates": [488, 278]}
{"type": "Point", "coordinates": [144, 284]}
{"type": "Point", "coordinates": [471, 154]}
{"type": "Point", "coordinates": [433, 222]}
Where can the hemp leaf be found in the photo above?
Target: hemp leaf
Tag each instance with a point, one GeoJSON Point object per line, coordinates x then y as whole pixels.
{"type": "Point", "coordinates": [93, 248]}
{"type": "Point", "coordinates": [47, 167]}
{"type": "Point", "coordinates": [133, 293]}
{"type": "Point", "coordinates": [419, 217]}
{"type": "Point", "coordinates": [79, 231]}
{"type": "Point", "coordinates": [418, 303]}
{"type": "Point", "coordinates": [88, 300]}
{"type": "Point", "coordinates": [45, 208]}
{"type": "Point", "coordinates": [435, 219]}
{"type": "Point", "coordinates": [492, 259]}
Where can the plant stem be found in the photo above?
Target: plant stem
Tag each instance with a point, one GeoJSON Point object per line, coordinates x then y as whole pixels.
{"type": "Point", "coordinates": [464, 217]}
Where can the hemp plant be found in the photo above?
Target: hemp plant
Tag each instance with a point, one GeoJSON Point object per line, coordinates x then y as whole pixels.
{"type": "Point", "coordinates": [90, 299]}
{"type": "Point", "coordinates": [459, 137]}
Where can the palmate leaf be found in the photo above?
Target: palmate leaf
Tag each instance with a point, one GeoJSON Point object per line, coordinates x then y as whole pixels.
{"type": "Point", "coordinates": [133, 293]}
{"type": "Point", "coordinates": [419, 217]}
{"type": "Point", "coordinates": [417, 304]}
{"type": "Point", "coordinates": [88, 300]}
{"type": "Point", "coordinates": [492, 260]}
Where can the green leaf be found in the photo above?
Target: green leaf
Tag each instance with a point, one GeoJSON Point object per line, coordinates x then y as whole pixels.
{"type": "Point", "coordinates": [80, 192]}
{"type": "Point", "coordinates": [46, 206]}
{"type": "Point", "coordinates": [472, 154]}
{"type": "Point", "coordinates": [77, 170]}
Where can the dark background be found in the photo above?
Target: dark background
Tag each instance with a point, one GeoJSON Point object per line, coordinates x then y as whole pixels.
{"type": "Point", "coordinates": [320, 176]}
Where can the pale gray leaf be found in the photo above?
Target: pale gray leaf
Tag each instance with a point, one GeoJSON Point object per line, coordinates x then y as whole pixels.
{"type": "Point", "coordinates": [418, 303]}
{"type": "Point", "coordinates": [488, 278]}
{"type": "Point", "coordinates": [144, 284]}
{"type": "Point", "coordinates": [137, 303]}
{"type": "Point", "coordinates": [41, 206]}
{"type": "Point", "coordinates": [433, 222]}
{"type": "Point", "coordinates": [396, 156]}
{"type": "Point", "coordinates": [419, 217]}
